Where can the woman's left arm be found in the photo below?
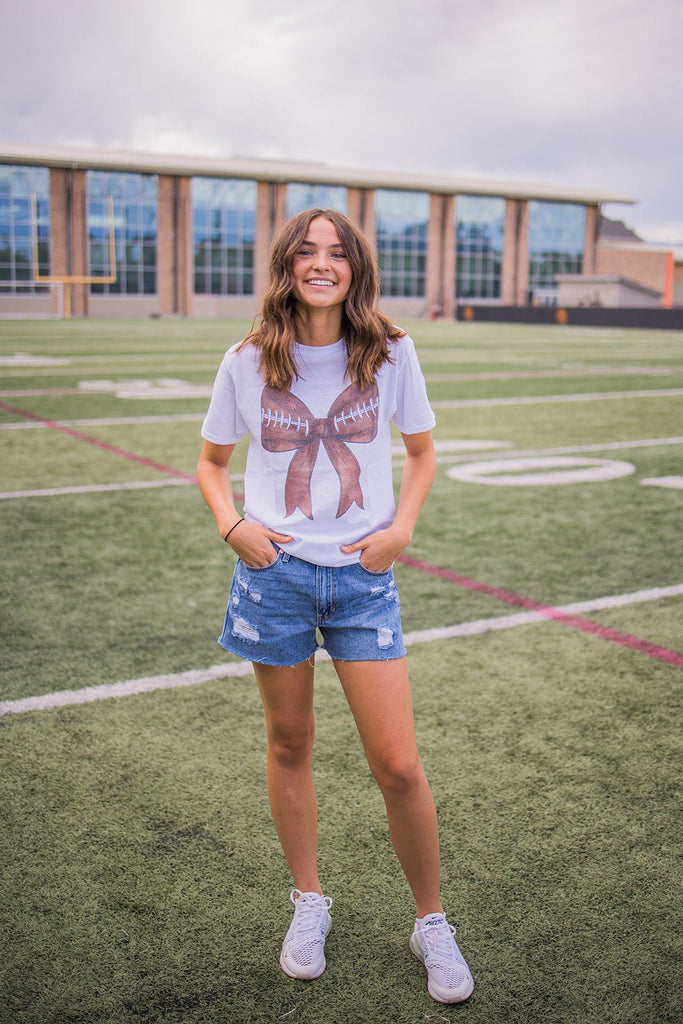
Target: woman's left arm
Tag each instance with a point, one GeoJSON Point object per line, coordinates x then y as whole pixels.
{"type": "Point", "coordinates": [381, 549]}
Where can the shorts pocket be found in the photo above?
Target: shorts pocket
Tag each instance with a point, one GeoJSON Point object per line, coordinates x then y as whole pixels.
{"type": "Point", "coordinates": [261, 568]}
{"type": "Point", "coordinates": [370, 572]}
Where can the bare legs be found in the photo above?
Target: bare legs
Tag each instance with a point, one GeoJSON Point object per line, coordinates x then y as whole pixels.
{"type": "Point", "coordinates": [287, 695]}
{"type": "Point", "coordinates": [378, 693]}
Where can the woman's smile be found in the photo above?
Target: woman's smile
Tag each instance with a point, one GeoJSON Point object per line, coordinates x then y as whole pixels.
{"type": "Point", "coordinates": [322, 273]}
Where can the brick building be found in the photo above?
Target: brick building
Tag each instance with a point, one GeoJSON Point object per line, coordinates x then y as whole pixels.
{"type": "Point", "coordinates": [192, 235]}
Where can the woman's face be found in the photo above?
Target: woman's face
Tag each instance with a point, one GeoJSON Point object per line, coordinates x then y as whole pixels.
{"type": "Point", "coordinates": [322, 273]}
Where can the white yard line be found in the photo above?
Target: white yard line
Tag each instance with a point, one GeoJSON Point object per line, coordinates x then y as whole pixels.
{"type": "Point", "coordinates": [458, 403]}
{"type": "Point", "coordinates": [110, 421]}
{"type": "Point", "coordinates": [576, 371]}
{"type": "Point", "coordinates": [599, 396]}
{"type": "Point", "coordinates": [608, 446]}
{"type": "Point", "coordinates": [130, 485]}
{"type": "Point", "coordinates": [147, 684]}
{"type": "Point", "coordinates": [653, 442]}
{"type": "Point", "coordinates": [456, 458]}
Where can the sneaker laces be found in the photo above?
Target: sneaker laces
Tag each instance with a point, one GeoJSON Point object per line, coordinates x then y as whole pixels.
{"type": "Point", "coordinates": [309, 925]}
{"type": "Point", "coordinates": [441, 952]}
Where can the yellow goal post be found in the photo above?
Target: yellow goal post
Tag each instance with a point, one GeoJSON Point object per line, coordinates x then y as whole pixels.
{"type": "Point", "coordinates": [69, 280]}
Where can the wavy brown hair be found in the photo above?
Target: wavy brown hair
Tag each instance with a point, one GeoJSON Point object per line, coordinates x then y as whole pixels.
{"type": "Point", "coordinates": [366, 331]}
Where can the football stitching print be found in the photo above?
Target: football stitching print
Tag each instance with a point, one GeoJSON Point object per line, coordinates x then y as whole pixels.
{"type": "Point", "coordinates": [287, 424]}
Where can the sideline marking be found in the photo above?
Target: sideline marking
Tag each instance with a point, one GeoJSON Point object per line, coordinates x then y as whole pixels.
{"type": "Point", "coordinates": [133, 485]}
{"type": "Point", "coordinates": [111, 421]}
{"type": "Point", "coordinates": [456, 403]}
{"type": "Point", "coordinates": [147, 684]}
{"type": "Point", "coordinates": [114, 449]}
{"type": "Point", "coordinates": [575, 371]}
{"type": "Point", "coordinates": [464, 403]}
{"type": "Point", "coordinates": [608, 446]}
{"type": "Point", "coordinates": [27, 359]}
{"type": "Point", "coordinates": [675, 482]}
{"type": "Point", "coordinates": [556, 614]}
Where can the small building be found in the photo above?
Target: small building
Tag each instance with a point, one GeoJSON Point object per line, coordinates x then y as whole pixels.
{"type": "Point", "coordinates": [610, 291]}
{"type": "Point", "coordinates": [657, 268]}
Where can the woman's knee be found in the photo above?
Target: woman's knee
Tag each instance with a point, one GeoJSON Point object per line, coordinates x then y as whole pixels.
{"type": "Point", "coordinates": [292, 748]}
{"type": "Point", "coordinates": [398, 775]}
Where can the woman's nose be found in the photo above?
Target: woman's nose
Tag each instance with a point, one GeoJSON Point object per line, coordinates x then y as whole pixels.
{"type": "Point", "coordinates": [321, 261]}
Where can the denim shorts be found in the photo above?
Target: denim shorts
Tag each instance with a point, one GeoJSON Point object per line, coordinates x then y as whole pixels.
{"type": "Point", "coordinates": [274, 613]}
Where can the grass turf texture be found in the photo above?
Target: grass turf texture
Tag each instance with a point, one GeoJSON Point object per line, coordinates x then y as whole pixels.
{"type": "Point", "coordinates": [143, 881]}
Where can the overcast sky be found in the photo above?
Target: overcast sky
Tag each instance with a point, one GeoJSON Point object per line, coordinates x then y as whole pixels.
{"type": "Point", "coordinates": [580, 92]}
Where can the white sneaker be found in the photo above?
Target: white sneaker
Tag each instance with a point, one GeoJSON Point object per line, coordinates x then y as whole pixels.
{"type": "Point", "coordinates": [433, 942]}
{"type": "Point", "coordinates": [303, 951]}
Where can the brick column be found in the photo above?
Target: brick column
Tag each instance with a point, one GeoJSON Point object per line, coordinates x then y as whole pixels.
{"type": "Point", "coordinates": [280, 206]}
{"type": "Point", "coordinates": [165, 246]}
{"type": "Point", "coordinates": [79, 242]}
{"type": "Point", "coordinates": [440, 290]}
{"type": "Point", "coordinates": [368, 223]}
{"type": "Point", "coordinates": [68, 233]}
{"type": "Point", "coordinates": [354, 205]}
{"type": "Point", "coordinates": [59, 222]}
{"type": "Point", "coordinates": [591, 239]}
{"type": "Point", "coordinates": [515, 271]}
{"type": "Point", "coordinates": [448, 244]}
{"type": "Point", "coordinates": [184, 246]}
{"type": "Point", "coordinates": [265, 218]}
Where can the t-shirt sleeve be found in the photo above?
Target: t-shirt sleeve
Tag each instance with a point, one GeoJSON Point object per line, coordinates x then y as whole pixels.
{"type": "Point", "coordinates": [223, 423]}
{"type": "Point", "coordinates": [413, 413]}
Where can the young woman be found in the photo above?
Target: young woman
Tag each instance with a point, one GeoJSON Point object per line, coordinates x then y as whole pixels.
{"type": "Point", "coordinates": [317, 386]}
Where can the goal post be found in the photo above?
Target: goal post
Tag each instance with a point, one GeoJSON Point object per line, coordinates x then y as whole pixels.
{"type": "Point", "coordinates": [67, 281]}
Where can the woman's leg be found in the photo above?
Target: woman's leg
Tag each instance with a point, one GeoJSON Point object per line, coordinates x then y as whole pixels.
{"type": "Point", "coordinates": [287, 695]}
{"type": "Point", "coordinates": [379, 696]}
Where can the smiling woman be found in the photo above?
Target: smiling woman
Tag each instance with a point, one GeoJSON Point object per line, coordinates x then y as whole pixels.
{"type": "Point", "coordinates": [318, 386]}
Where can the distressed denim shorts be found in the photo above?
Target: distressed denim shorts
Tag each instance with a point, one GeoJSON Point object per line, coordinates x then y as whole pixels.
{"type": "Point", "coordinates": [274, 613]}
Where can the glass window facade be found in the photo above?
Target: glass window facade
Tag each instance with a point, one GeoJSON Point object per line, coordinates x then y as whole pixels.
{"type": "Point", "coordinates": [324, 197]}
{"type": "Point", "coordinates": [223, 232]}
{"type": "Point", "coordinates": [135, 226]}
{"type": "Point", "coordinates": [401, 223]}
{"type": "Point", "coordinates": [556, 243]}
{"type": "Point", "coordinates": [480, 226]}
{"type": "Point", "coordinates": [17, 187]}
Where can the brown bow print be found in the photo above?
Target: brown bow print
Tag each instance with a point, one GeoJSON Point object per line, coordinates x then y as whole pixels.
{"type": "Point", "coordinates": [287, 424]}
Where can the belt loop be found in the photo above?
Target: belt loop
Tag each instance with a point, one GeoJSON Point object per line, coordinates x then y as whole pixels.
{"type": "Point", "coordinates": [285, 555]}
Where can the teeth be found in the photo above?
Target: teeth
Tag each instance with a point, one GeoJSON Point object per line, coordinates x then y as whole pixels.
{"type": "Point", "coordinates": [321, 280]}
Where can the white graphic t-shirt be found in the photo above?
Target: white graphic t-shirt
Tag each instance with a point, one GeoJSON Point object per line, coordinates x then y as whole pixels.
{"type": "Point", "coordinates": [319, 459]}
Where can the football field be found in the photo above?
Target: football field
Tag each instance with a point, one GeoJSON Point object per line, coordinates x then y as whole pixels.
{"type": "Point", "coordinates": [542, 597]}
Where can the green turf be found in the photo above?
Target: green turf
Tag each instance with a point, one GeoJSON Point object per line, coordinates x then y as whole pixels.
{"type": "Point", "coordinates": [142, 882]}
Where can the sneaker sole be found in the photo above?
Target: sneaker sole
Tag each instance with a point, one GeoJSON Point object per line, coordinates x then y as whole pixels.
{"type": "Point", "coordinates": [443, 995]}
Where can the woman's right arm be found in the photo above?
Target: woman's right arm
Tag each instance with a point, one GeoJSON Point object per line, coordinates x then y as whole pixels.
{"type": "Point", "coordinates": [251, 541]}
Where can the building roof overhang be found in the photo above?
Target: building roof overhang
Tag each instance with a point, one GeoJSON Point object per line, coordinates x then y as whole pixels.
{"type": "Point", "coordinates": [279, 171]}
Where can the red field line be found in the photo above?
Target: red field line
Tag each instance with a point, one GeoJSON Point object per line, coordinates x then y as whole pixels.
{"type": "Point", "coordinates": [565, 619]}
{"type": "Point", "coordinates": [114, 449]}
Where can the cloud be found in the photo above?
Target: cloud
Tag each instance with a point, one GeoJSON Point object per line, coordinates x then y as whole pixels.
{"type": "Point", "coordinates": [572, 92]}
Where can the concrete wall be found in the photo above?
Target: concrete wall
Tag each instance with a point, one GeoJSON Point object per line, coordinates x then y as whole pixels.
{"type": "Point", "coordinates": [608, 291]}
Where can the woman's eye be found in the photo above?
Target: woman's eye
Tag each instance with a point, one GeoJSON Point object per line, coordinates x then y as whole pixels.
{"type": "Point", "coordinates": [338, 255]}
